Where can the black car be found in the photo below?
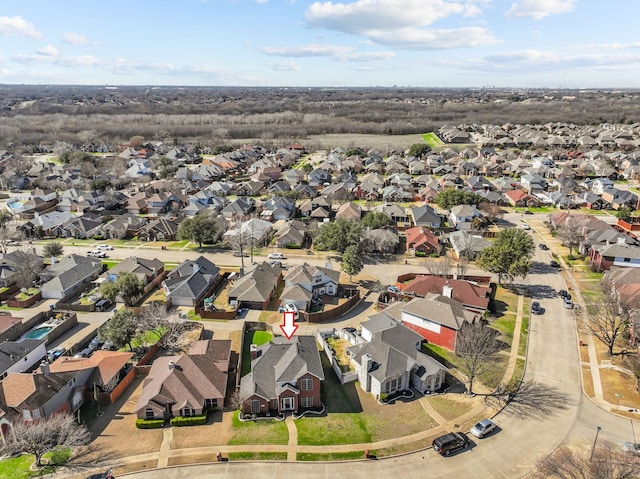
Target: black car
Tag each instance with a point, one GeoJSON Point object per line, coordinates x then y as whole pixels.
{"type": "Point", "coordinates": [102, 475]}
{"type": "Point", "coordinates": [535, 308]}
{"type": "Point", "coordinates": [554, 264]}
{"type": "Point", "coordinates": [564, 294]}
{"type": "Point", "coordinates": [451, 442]}
{"type": "Point", "coordinates": [543, 247]}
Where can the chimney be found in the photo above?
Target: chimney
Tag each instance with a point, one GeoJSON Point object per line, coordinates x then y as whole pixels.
{"type": "Point", "coordinates": [447, 290]}
{"type": "Point", "coordinates": [254, 351]}
{"type": "Point", "coordinates": [130, 220]}
{"type": "Point", "coordinates": [171, 365]}
{"type": "Point", "coordinates": [44, 367]}
{"type": "Point", "coordinates": [363, 376]}
{"type": "Point", "coordinates": [196, 267]}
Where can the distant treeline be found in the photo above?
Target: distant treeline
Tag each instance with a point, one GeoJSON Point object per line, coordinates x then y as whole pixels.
{"type": "Point", "coordinates": [34, 115]}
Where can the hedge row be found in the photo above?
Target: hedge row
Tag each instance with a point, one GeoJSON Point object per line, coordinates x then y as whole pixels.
{"type": "Point", "coordinates": [149, 423]}
{"type": "Point", "coordinates": [189, 421]}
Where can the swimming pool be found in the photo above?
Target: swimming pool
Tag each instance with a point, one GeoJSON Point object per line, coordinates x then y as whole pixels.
{"type": "Point", "coordinates": [38, 333]}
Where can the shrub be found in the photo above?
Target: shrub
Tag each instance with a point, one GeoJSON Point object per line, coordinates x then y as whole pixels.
{"type": "Point", "coordinates": [420, 254]}
{"type": "Point", "coordinates": [149, 423]}
{"type": "Point", "coordinates": [189, 421]}
{"type": "Point", "coordinates": [292, 246]}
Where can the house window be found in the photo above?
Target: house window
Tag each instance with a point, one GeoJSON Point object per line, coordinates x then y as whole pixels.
{"type": "Point", "coordinates": [26, 414]}
{"type": "Point", "coordinates": [148, 413]}
{"type": "Point", "coordinates": [318, 279]}
{"type": "Point", "coordinates": [255, 406]}
{"type": "Point", "coordinates": [306, 401]}
{"type": "Point", "coordinates": [36, 413]}
{"type": "Point", "coordinates": [210, 403]}
{"type": "Point", "coordinates": [187, 411]}
{"type": "Point", "coordinates": [307, 383]}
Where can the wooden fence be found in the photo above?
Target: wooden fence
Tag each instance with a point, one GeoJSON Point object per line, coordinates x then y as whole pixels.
{"type": "Point", "coordinates": [333, 312]}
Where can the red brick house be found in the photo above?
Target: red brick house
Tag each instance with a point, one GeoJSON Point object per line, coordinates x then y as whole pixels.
{"type": "Point", "coordinates": [520, 198]}
{"type": "Point", "coordinates": [285, 377]}
{"type": "Point", "coordinates": [435, 317]}
{"type": "Point", "coordinates": [605, 256]}
{"type": "Point", "coordinates": [422, 240]}
{"type": "Point", "coordinates": [472, 296]}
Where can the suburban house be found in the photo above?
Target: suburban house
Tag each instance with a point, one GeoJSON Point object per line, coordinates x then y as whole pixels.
{"type": "Point", "coordinates": [435, 317]}
{"type": "Point", "coordinates": [472, 296]}
{"type": "Point", "coordinates": [161, 229]}
{"type": "Point", "coordinates": [186, 385]}
{"type": "Point", "coordinates": [191, 281]}
{"type": "Point", "coordinates": [285, 377]}
{"type": "Point", "coordinates": [467, 245]}
{"type": "Point", "coordinates": [390, 360]}
{"type": "Point", "coordinates": [462, 216]}
{"type": "Point", "coordinates": [422, 241]}
{"type": "Point", "coordinates": [304, 282]}
{"type": "Point", "coordinates": [46, 224]}
{"type": "Point", "coordinates": [256, 288]}
{"type": "Point", "coordinates": [69, 276]}
{"type": "Point", "coordinates": [603, 257]}
{"type": "Point", "coordinates": [32, 396]}
{"type": "Point", "coordinates": [626, 282]}
{"type": "Point", "coordinates": [146, 270]}
{"type": "Point", "coordinates": [107, 367]}
{"type": "Point", "coordinates": [521, 198]}
{"type": "Point", "coordinates": [8, 263]}
{"type": "Point", "coordinates": [291, 235]}
{"type": "Point", "coordinates": [20, 356]}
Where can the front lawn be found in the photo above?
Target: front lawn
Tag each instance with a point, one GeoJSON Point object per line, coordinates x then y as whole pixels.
{"type": "Point", "coordinates": [19, 467]}
{"type": "Point", "coordinates": [432, 140]}
{"type": "Point", "coordinates": [349, 428]}
{"type": "Point", "coordinates": [330, 456]}
{"type": "Point", "coordinates": [258, 432]}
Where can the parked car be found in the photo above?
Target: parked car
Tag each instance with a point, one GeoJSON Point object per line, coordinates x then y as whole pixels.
{"type": "Point", "coordinates": [55, 353]}
{"type": "Point", "coordinates": [276, 256]}
{"type": "Point", "coordinates": [554, 264]}
{"type": "Point", "coordinates": [350, 330]}
{"type": "Point", "coordinates": [543, 247]}
{"type": "Point", "coordinates": [97, 254]}
{"type": "Point", "coordinates": [108, 346]}
{"type": "Point", "coordinates": [85, 353]}
{"type": "Point", "coordinates": [525, 226]}
{"type": "Point", "coordinates": [106, 247]}
{"type": "Point", "coordinates": [393, 289]}
{"type": "Point", "coordinates": [564, 294]}
{"type": "Point", "coordinates": [535, 308]}
{"type": "Point", "coordinates": [94, 343]}
{"type": "Point", "coordinates": [275, 264]}
{"type": "Point", "coordinates": [631, 447]}
{"type": "Point", "coordinates": [567, 303]}
{"type": "Point", "coordinates": [238, 253]}
{"type": "Point", "coordinates": [483, 428]}
{"type": "Point", "coordinates": [102, 475]}
{"type": "Point", "coordinates": [451, 442]}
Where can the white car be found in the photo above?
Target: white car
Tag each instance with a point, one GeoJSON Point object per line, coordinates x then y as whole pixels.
{"type": "Point", "coordinates": [525, 226]}
{"type": "Point", "coordinates": [106, 247]}
{"type": "Point", "coordinates": [482, 428]}
{"type": "Point", "coordinates": [276, 256]}
{"type": "Point", "coordinates": [97, 254]}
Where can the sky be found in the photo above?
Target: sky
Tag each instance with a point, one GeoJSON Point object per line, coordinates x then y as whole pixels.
{"type": "Point", "coordinates": [344, 43]}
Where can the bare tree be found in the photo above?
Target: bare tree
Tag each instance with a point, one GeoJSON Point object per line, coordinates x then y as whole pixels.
{"type": "Point", "coordinates": [8, 234]}
{"type": "Point", "coordinates": [379, 240]}
{"type": "Point", "coordinates": [609, 318]}
{"type": "Point", "coordinates": [40, 437]}
{"type": "Point", "coordinates": [476, 346]}
{"type": "Point", "coordinates": [240, 241]}
{"type": "Point", "coordinates": [169, 327]}
{"type": "Point", "coordinates": [27, 267]}
{"type": "Point", "coordinates": [604, 461]}
{"type": "Point", "coordinates": [438, 266]}
{"type": "Point", "coordinates": [491, 211]}
{"type": "Point", "coordinates": [571, 234]}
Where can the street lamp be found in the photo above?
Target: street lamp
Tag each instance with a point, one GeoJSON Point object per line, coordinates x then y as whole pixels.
{"type": "Point", "coordinates": [594, 442]}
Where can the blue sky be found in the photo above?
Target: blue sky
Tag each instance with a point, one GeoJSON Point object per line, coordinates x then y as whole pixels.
{"type": "Point", "coordinates": [419, 43]}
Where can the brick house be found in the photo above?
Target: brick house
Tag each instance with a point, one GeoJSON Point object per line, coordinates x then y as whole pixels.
{"type": "Point", "coordinates": [285, 377]}
{"type": "Point", "coordinates": [422, 240]}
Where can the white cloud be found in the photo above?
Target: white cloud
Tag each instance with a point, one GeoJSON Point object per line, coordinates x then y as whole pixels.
{"type": "Point", "coordinates": [48, 51]}
{"type": "Point", "coordinates": [74, 39]}
{"type": "Point", "coordinates": [402, 23]}
{"type": "Point", "coordinates": [333, 51]}
{"type": "Point", "coordinates": [435, 39]}
{"type": "Point", "coordinates": [363, 16]}
{"type": "Point", "coordinates": [18, 26]}
{"type": "Point", "coordinates": [538, 9]}
{"type": "Point", "coordinates": [286, 66]}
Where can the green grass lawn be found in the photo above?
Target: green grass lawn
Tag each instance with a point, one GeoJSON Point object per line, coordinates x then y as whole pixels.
{"type": "Point", "coordinates": [257, 456]}
{"type": "Point", "coordinates": [432, 140]}
{"type": "Point", "coordinates": [447, 407]}
{"type": "Point", "coordinates": [346, 428]}
{"type": "Point", "coordinates": [259, 432]}
{"type": "Point", "coordinates": [18, 467]}
{"type": "Point", "coordinates": [522, 347]}
{"type": "Point", "coordinates": [506, 325]}
{"type": "Point", "coordinates": [330, 456]}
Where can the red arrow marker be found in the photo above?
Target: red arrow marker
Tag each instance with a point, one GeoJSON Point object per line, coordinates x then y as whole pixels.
{"type": "Point", "coordinates": [289, 326]}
